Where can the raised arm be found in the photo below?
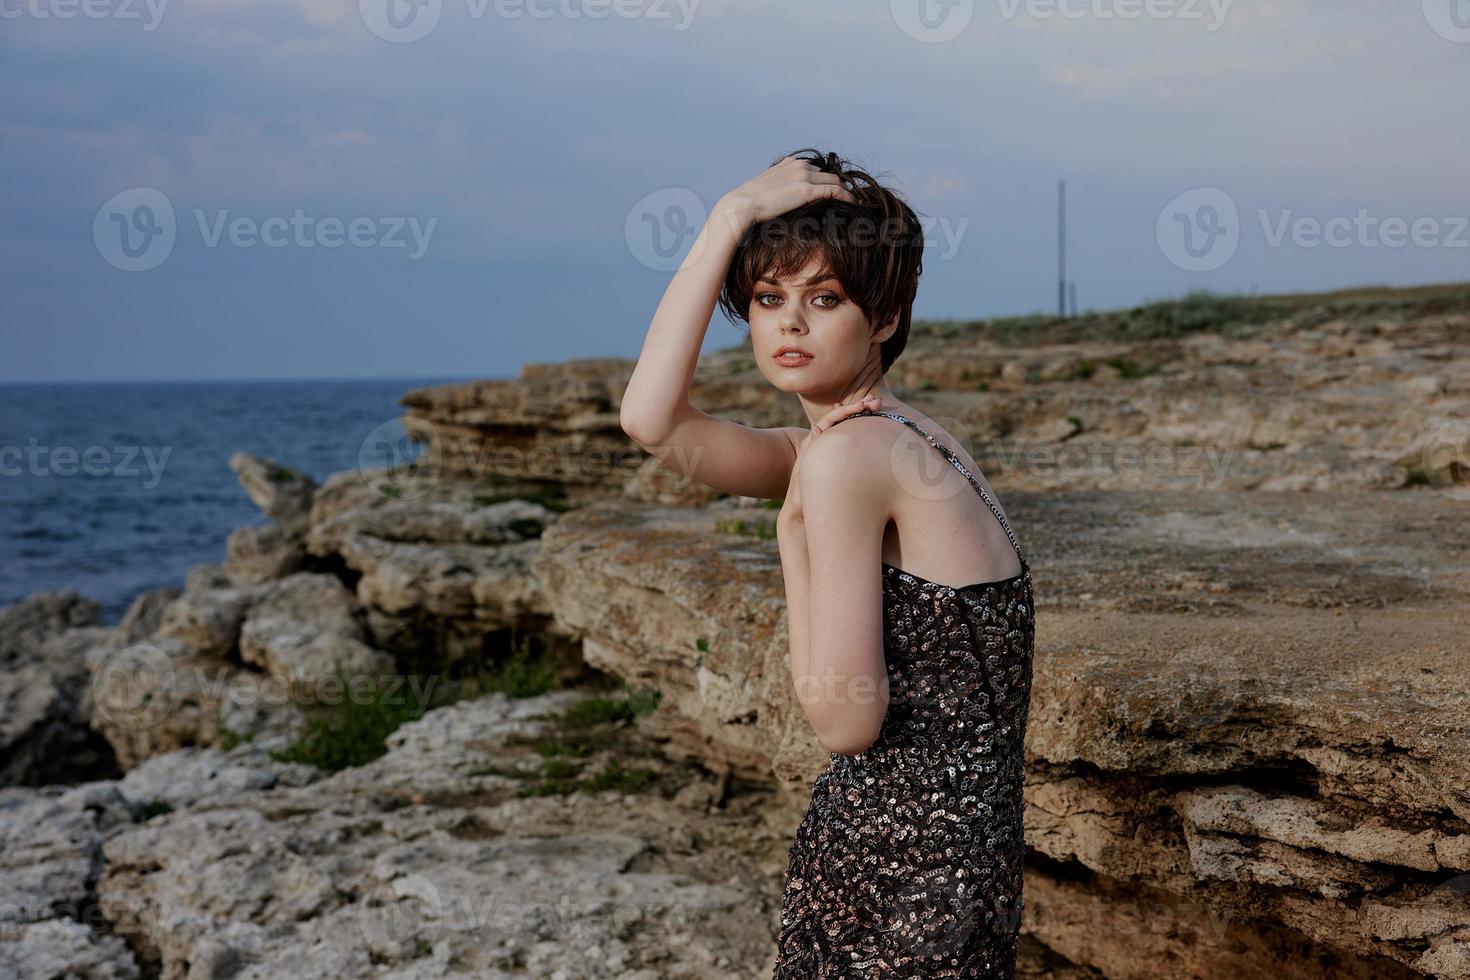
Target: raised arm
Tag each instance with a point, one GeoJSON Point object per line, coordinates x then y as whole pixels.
{"type": "Point", "coordinates": [655, 411]}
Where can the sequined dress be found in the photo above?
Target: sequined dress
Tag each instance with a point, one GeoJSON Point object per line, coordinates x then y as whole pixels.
{"type": "Point", "coordinates": [907, 862]}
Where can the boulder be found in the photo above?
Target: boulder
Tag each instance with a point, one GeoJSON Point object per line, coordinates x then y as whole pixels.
{"type": "Point", "coordinates": [307, 628]}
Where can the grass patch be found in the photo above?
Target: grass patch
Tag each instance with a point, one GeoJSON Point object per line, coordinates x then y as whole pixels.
{"type": "Point", "coordinates": [156, 808]}
{"type": "Point", "coordinates": [579, 745]}
{"type": "Point", "coordinates": [525, 671]}
{"type": "Point", "coordinates": [755, 529]}
{"type": "Point", "coordinates": [520, 675]}
{"type": "Point", "coordinates": [1127, 368]}
{"type": "Point", "coordinates": [1078, 371]}
{"type": "Point", "coordinates": [563, 780]}
{"type": "Point", "coordinates": [226, 738]}
{"type": "Point", "coordinates": [615, 710]}
{"type": "Point", "coordinates": [352, 732]}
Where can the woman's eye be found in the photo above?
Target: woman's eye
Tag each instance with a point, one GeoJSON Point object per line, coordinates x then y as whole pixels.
{"type": "Point", "coordinates": [836, 300]}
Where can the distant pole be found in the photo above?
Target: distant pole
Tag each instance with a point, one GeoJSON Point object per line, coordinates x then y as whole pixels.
{"type": "Point", "coordinates": [1072, 294]}
{"type": "Point", "coordinates": [1062, 249]}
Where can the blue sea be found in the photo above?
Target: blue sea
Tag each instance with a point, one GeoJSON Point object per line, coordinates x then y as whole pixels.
{"type": "Point", "coordinates": [113, 489]}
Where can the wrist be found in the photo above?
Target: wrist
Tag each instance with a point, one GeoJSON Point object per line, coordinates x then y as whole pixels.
{"type": "Point", "coordinates": [734, 213]}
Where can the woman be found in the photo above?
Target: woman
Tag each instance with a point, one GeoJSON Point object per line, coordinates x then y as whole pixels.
{"type": "Point", "coordinates": [907, 862]}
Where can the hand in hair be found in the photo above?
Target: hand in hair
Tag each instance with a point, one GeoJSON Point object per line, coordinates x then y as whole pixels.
{"type": "Point", "coordinates": [786, 186]}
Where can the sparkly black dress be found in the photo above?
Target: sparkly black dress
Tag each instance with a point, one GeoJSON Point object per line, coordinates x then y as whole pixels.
{"type": "Point", "coordinates": [907, 863]}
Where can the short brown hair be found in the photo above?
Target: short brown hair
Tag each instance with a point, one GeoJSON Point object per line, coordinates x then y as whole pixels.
{"type": "Point", "coordinates": [875, 248]}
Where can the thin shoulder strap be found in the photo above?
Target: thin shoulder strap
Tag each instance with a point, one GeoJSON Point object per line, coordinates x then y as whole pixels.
{"type": "Point", "coordinates": [945, 452]}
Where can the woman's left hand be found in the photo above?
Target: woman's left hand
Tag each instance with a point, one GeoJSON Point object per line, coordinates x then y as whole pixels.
{"type": "Point", "coordinates": [838, 412]}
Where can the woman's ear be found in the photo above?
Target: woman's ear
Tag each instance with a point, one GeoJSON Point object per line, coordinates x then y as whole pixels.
{"type": "Point", "coordinates": [887, 330]}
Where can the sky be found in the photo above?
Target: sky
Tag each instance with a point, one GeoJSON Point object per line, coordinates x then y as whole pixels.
{"type": "Point", "coordinates": [198, 189]}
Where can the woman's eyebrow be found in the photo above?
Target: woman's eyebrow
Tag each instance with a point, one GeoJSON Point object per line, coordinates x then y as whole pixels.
{"type": "Point", "coordinates": [816, 280]}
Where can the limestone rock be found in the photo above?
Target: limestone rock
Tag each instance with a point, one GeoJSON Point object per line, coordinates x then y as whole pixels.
{"type": "Point", "coordinates": [264, 553]}
{"type": "Point", "coordinates": [305, 629]}
{"type": "Point", "coordinates": [25, 625]}
{"type": "Point", "coordinates": [282, 493]}
{"type": "Point", "coordinates": [1238, 714]}
{"type": "Point", "coordinates": [207, 620]}
{"type": "Point", "coordinates": [425, 862]}
{"type": "Point", "coordinates": [436, 572]}
{"type": "Point", "coordinates": [160, 694]}
{"type": "Point", "coordinates": [50, 857]}
{"type": "Point", "coordinates": [145, 614]}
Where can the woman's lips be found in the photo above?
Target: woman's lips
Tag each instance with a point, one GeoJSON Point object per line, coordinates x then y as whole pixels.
{"type": "Point", "coordinates": [792, 359]}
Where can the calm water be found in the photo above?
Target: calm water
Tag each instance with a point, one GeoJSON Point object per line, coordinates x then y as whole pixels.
{"type": "Point", "coordinates": [114, 489]}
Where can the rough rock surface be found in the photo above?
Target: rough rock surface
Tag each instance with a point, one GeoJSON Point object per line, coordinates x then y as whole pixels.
{"type": "Point", "coordinates": [305, 629]}
{"type": "Point", "coordinates": [262, 553]}
{"type": "Point", "coordinates": [44, 731]}
{"type": "Point", "coordinates": [1358, 390]}
{"type": "Point", "coordinates": [427, 862]}
{"type": "Point", "coordinates": [1249, 728]}
{"type": "Point", "coordinates": [440, 568]}
{"type": "Point", "coordinates": [1254, 703]}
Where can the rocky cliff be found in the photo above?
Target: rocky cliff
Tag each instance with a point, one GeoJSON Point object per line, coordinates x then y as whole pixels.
{"type": "Point", "coordinates": [331, 756]}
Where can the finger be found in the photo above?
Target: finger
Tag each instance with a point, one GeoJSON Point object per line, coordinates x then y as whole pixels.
{"type": "Point", "coordinates": [842, 412]}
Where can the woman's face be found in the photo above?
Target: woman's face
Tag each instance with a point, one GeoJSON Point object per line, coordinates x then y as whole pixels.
{"type": "Point", "coordinates": [816, 318]}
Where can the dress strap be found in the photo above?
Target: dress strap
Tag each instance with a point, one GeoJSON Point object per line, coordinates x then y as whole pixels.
{"type": "Point", "coordinates": [945, 452]}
